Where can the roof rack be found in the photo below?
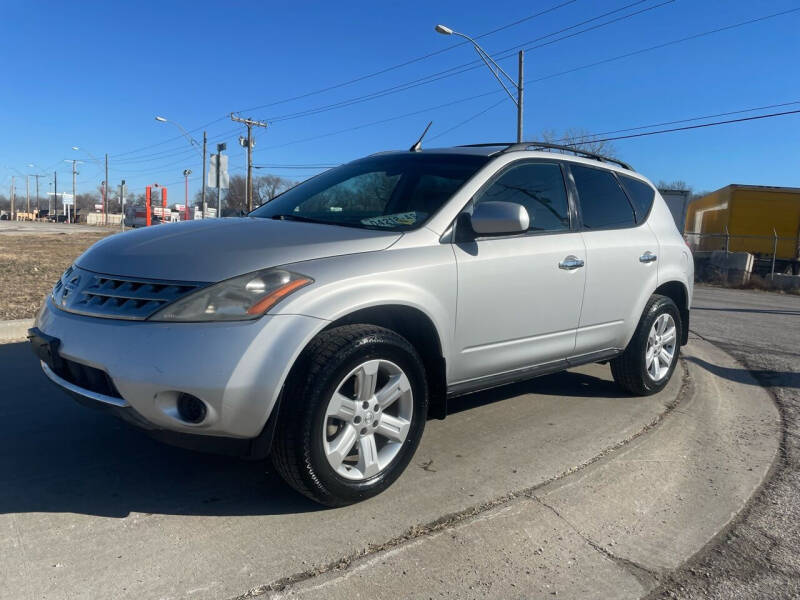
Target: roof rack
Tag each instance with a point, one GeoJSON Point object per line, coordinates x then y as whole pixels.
{"type": "Point", "coordinates": [513, 146]}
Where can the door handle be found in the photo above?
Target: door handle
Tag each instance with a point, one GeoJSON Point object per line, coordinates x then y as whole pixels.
{"type": "Point", "coordinates": [648, 257]}
{"type": "Point", "coordinates": [570, 263]}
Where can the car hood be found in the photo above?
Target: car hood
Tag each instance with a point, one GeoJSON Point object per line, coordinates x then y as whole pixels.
{"type": "Point", "coordinates": [211, 250]}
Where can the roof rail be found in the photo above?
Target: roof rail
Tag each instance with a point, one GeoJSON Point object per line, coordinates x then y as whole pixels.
{"type": "Point", "coordinates": [513, 146]}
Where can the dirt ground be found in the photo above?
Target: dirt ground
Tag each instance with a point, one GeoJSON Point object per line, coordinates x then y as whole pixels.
{"type": "Point", "coordinates": [31, 263]}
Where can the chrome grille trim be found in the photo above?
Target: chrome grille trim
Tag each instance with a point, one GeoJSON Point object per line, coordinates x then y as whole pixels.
{"type": "Point", "coordinates": [108, 296]}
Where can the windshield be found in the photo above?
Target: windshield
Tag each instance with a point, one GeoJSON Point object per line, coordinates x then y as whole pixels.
{"type": "Point", "coordinates": [395, 192]}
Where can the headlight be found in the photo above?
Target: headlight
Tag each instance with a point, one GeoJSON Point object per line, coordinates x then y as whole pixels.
{"type": "Point", "coordinates": [238, 299]}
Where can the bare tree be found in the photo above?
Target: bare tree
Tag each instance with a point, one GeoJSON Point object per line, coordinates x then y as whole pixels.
{"type": "Point", "coordinates": [266, 187]}
{"type": "Point", "coordinates": [675, 184]}
{"type": "Point", "coordinates": [579, 139]}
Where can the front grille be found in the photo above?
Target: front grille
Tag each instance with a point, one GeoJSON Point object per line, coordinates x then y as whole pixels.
{"type": "Point", "coordinates": [87, 378]}
{"type": "Point", "coordinates": [86, 293]}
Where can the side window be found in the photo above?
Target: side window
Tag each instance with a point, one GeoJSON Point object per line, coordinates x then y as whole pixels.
{"type": "Point", "coordinates": [539, 187]}
{"type": "Point", "coordinates": [641, 194]}
{"type": "Point", "coordinates": [603, 203]}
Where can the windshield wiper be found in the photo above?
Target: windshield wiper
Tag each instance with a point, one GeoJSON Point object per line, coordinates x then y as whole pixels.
{"type": "Point", "coordinates": [297, 218]}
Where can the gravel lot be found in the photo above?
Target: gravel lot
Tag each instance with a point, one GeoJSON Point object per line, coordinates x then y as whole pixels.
{"type": "Point", "coordinates": [759, 557]}
{"type": "Point", "coordinates": [31, 260]}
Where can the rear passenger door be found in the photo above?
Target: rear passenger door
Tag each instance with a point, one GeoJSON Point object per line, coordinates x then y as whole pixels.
{"type": "Point", "coordinates": [518, 299]}
{"type": "Point", "coordinates": [621, 261]}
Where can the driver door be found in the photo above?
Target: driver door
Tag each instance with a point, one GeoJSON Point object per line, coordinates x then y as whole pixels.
{"type": "Point", "coordinates": [519, 296]}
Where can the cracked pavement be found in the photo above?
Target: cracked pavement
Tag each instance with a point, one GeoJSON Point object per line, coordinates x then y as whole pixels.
{"type": "Point", "coordinates": [760, 555]}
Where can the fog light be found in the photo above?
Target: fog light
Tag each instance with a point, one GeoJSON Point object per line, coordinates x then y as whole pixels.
{"type": "Point", "coordinates": [191, 409]}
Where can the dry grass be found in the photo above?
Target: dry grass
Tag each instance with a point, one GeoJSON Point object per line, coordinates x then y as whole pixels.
{"type": "Point", "coordinates": [31, 263]}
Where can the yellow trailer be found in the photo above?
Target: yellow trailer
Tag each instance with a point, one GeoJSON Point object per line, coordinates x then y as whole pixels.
{"type": "Point", "coordinates": [748, 217]}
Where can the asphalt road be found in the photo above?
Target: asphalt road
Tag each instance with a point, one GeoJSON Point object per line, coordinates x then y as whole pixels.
{"type": "Point", "coordinates": [86, 500]}
{"type": "Point", "coordinates": [760, 556]}
{"type": "Point", "coordinates": [563, 485]}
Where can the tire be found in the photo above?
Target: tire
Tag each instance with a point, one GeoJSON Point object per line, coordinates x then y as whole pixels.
{"type": "Point", "coordinates": [631, 370]}
{"type": "Point", "coordinates": [325, 405]}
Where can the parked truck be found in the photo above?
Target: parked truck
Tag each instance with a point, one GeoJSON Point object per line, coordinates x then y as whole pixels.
{"type": "Point", "coordinates": [761, 220]}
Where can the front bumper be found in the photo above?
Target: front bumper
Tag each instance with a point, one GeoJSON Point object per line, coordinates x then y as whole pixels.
{"type": "Point", "coordinates": [236, 368]}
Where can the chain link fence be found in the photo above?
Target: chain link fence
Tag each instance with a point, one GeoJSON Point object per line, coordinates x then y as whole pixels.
{"type": "Point", "coordinates": [771, 253]}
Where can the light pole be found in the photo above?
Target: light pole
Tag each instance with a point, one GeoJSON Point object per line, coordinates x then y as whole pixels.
{"type": "Point", "coordinates": [196, 144]}
{"type": "Point", "coordinates": [497, 71]}
{"type": "Point", "coordinates": [105, 186]}
{"type": "Point", "coordinates": [74, 186]}
{"type": "Point", "coordinates": [186, 173]}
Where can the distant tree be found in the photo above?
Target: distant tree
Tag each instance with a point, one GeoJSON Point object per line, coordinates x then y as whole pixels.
{"type": "Point", "coordinates": [675, 184]}
{"type": "Point", "coordinates": [579, 139]}
{"type": "Point", "coordinates": [5, 203]}
{"type": "Point", "coordinates": [266, 187]}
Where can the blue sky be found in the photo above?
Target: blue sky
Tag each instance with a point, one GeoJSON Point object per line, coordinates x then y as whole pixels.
{"type": "Point", "coordinates": [94, 74]}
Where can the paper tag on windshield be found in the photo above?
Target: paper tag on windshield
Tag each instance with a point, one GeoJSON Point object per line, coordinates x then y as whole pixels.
{"type": "Point", "coordinates": [407, 218]}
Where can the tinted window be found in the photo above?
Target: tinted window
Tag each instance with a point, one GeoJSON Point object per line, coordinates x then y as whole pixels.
{"type": "Point", "coordinates": [392, 191]}
{"type": "Point", "coordinates": [641, 195]}
{"type": "Point", "coordinates": [603, 203]}
{"type": "Point", "coordinates": [539, 187]}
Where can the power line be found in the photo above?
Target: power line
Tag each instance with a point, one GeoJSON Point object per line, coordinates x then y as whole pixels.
{"type": "Point", "coordinates": [723, 114]}
{"type": "Point", "coordinates": [466, 67]}
{"type": "Point", "coordinates": [408, 62]}
{"type": "Point", "coordinates": [552, 75]}
{"type": "Point", "coordinates": [442, 74]}
{"type": "Point", "coordinates": [467, 120]}
{"type": "Point", "coordinates": [360, 78]}
{"type": "Point", "coordinates": [688, 127]}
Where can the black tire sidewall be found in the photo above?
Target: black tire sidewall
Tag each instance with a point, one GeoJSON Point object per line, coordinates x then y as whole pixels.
{"type": "Point", "coordinates": [387, 346]}
{"type": "Point", "coordinates": [659, 306]}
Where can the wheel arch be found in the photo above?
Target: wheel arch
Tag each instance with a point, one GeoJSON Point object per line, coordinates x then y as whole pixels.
{"type": "Point", "coordinates": [419, 329]}
{"type": "Point", "coordinates": [677, 292]}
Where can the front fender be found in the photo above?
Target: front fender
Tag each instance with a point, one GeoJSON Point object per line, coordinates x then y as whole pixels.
{"type": "Point", "coordinates": [423, 278]}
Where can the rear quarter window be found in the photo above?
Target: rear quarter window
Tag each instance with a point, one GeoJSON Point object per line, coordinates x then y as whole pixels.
{"type": "Point", "coordinates": [641, 194]}
{"type": "Point", "coordinates": [603, 203]}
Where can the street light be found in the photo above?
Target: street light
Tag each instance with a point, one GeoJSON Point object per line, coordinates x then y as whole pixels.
{"type": "Point", "coordinates": [195, 143]}
{"type": "Point", "coordinates": [496, 71]}
{"type": "Point", "coordinates": [186, 173]}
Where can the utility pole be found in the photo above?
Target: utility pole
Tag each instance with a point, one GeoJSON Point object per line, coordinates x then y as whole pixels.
{"type": "Point", "coordinates": [27, 195]}
{"type": "Point", "coordinates": [105, 195]}
{"type": "Point", "coordinates": [220, 148]}
{"type": "Point", "coordinates": [205, 141]}
{"type": "Point", "coordinates": [55, 196]}
{"type": "Point", "coordinates": [38, 206]}
{"type": "Point", "coordinates": [249, 143]}
{"type": "Point", "coordinates": [122, 191]}
{"type": "Point", "coordinates": [11, 205]}
{"type": "Point", "coordinates": [520, 93]}
{"type": "Point", "coordinates": [74, 188]}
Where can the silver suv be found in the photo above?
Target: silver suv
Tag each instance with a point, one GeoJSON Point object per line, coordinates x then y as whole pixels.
{"type": "Point", "coordinates": [328, 325]}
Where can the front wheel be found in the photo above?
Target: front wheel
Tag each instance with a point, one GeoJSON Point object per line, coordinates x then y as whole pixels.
{"type": "Point", "coordinates": [352, 414]}
{"type": "Point", "coordinates": [646, 365]}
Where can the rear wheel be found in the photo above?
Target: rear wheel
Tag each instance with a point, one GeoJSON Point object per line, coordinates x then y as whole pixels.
{"type": "Point", "coordinates": [646, 365]}
{"type": "Point", "coordinates": [352, 415]}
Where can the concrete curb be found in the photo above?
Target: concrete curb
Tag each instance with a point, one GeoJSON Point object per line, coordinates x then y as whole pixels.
{"type": "Point", "coordinates": [609, 530]}
{"type": "Point", "coordinates": [14, 331]}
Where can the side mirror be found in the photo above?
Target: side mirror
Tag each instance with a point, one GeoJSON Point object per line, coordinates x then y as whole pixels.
{"type": "Point", "coordinates": [495, 218]}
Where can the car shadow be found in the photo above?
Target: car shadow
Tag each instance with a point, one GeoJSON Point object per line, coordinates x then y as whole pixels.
{"type": "Point", "coordinates": [58, 456]}
{"type": "Point", "coordinates": [787, 379]}
{"type": "Point", "coordinates": [566, 383]}
{"type": "Point", "coordinates": [762, 311]}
